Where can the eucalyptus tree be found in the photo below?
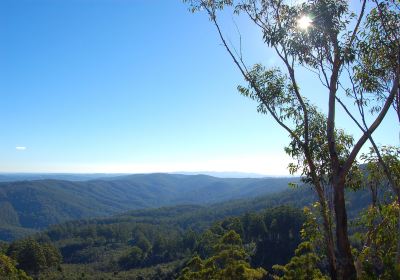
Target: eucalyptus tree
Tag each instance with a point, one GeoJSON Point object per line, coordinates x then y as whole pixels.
{"type": "Point", "coordinates": [383, 166]}
{"type": "Point", "coordinates": [320, 175]}
{"type": "Point", "coordinates": [355, 55]}
{"type": "Point", "coordinates": [228, 262]}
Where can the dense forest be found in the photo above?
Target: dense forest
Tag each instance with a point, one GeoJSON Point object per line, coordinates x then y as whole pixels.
{"type": "Point", "coordinates": [153, 245]}
{"type": "Point", "coordinates": [27, 206]}
{"type": "Point", "coordinates": [164, 243]}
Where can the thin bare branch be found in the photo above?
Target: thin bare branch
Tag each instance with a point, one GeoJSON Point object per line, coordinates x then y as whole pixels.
{"type": "Point", "coordinates": [248, 78]}
{"type": "Point", "coordinates": [372, 127]}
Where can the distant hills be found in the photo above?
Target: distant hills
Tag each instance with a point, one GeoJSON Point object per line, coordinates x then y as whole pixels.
{"type": "Point", "coordinates": [227, 174]}
{"type": "Point", "coordinates": [12, 177]}
{"type": "Point", "coordinates": [26, 206]}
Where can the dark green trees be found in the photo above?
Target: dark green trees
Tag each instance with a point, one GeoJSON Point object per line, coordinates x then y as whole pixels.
{"type": "Point", "coordinates": [134, 258]}
{"type": "Point", "coordinates": [303, 266]}
{"type": "Point", "coordinates": [9, 271]}
{"type": "Point", "coordinates": [228, 262]}
{"type": "Point", "coordinates": [306, 263]}
{"type": "Point", "coordinates": [33, 257]}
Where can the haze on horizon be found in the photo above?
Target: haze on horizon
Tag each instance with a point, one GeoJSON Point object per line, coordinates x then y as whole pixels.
{"type": "Point", "coordinates": [124, 87]}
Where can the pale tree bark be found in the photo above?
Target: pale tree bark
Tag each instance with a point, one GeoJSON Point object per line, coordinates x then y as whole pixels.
{"type": "Point", "coordinates": [325, 212]}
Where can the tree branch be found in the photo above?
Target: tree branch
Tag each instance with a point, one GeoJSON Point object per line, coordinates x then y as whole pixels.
{"type": "Point", "coordinates": [372, 128]}
{"type": "Point", "coordinates": [251, 81]}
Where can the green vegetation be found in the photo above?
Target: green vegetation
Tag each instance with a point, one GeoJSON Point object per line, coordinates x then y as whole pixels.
{"type": "Point", "coordinates": [192, 241]}
{"type": "Point", "coordinates": [27, 206]}
{"type": "Point", "coordinates": [306, 262]}
{"type": "Point", "coordinates": [9, 271]}
{"type": "Point", "coordinates": [228, 262]}
{"type": "Point", "coordinates": [354, 53]}
{"type": "Point", "coordinates": [33, 257]}
{"type": "Point", "coordinates": [159, 249]}
{"type": "Point", "coordinates": [350, 228]}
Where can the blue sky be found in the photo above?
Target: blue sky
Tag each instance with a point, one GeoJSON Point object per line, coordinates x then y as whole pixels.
{"type": "Point", "coordinates": [132, 86]}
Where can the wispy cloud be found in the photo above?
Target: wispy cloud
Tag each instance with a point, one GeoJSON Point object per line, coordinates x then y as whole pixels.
{"type": "Point", "coordinates": [20, 148]}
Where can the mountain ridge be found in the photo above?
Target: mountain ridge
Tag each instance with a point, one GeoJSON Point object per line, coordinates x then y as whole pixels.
{"type": "Point", "coordinates": [36, 204]}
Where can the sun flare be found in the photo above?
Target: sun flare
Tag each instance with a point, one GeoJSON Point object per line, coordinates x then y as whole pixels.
{"type": "Point", "coordinates": [304, 22]}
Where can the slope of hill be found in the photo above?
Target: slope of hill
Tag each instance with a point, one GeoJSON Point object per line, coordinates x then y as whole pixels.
{"type": "Point", "coordinates": [101, 246]}
{"type": "Point", "coordinates": [30, 205]}
{"type": "Point", "coordinates": [199, 217]}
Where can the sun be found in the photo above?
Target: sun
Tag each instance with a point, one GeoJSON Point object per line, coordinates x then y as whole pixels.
{"type": "Point", "coordinates": [304, 22]}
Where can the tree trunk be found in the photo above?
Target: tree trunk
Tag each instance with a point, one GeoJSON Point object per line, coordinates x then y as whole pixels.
{"type": "Point", "coordinates": [330, 247]}
{"type": "Point", "coordinates": [374, 193]}
{"type": "Point", "coordinates": [345, 262]}
{"type": "Point", "coordinates": [326, 214]}
{"type": "Point", "coordinates": [328, 235]}
{"type": "Point", "coordinates": [398, 231]}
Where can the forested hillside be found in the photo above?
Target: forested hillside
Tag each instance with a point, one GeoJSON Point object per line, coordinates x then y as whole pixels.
{"type": "Point", "coordinates": [32, 205]}
{"type": "Point", "coordinates": [158, 243]}
{"type": "Point", "coordinates": [123, 248]}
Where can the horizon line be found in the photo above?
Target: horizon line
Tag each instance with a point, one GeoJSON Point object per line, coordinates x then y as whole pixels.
{"type": "Point", "coordinates": [150, 172]}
